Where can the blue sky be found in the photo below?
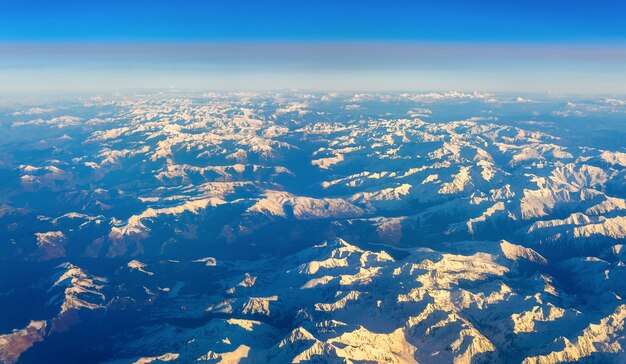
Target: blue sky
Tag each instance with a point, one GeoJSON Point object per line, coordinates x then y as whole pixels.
{"type": "Point", "coordinates": [205, 20]}
{"type": "Point", "coordinates": [522, 45]}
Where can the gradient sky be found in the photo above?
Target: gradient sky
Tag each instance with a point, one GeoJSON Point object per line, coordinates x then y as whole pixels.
{"type": "Point", "coordinates": [531, 45]}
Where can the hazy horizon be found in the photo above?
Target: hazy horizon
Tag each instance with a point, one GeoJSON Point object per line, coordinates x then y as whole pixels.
{"type": "Point", "coordinates": [535, 46]}
{"type": "Point", "coordinates": [313, 65]}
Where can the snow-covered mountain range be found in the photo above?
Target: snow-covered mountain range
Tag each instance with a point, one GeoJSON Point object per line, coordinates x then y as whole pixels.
{"type": "Point", "coordinates": [309, 227]}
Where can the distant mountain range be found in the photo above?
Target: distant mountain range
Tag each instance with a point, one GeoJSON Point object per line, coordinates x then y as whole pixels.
{"type": "Point", "coordinates": [313, 227]}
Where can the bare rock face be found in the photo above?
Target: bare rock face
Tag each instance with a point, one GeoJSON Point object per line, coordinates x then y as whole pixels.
{"type": "Point", "coordinates": [14, 344]}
